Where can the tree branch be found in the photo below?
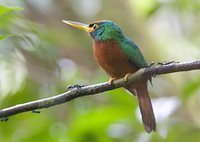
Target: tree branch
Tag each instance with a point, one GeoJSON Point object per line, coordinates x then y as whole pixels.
{"type": "Point", "coordinates": [152, 70]}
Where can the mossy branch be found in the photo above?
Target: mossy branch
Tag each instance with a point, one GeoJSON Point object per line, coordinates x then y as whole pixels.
{"type": "Point", "coordinates": [152, 70]}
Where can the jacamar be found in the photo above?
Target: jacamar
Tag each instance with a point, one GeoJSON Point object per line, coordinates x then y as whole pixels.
{"type": "Point", "coordinates": [119, 56]}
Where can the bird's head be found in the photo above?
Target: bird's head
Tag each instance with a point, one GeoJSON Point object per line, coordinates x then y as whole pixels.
{"type": "Point", "coordinates": [104, 30]}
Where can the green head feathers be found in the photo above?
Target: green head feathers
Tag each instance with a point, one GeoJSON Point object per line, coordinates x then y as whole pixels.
{"type": "Point", "coordinates": [104, 30]}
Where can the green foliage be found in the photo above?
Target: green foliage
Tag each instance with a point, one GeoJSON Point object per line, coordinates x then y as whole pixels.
{"type": "Point", "coordinates": [4, 36]}
{"type": "Point", "coordinates": [190, 89]}
{"type": "Point", "coordinates": [5, 9]}
{"type": "Point", "coordinates": [179, 131]}
{"type": "Point", "coordinates": [147, 7]}
{"type": "Point", "coordinates": [6, 17]}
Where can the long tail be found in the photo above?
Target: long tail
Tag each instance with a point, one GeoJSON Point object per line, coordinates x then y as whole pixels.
{"type": "Point", "coordinates": [145, 105]}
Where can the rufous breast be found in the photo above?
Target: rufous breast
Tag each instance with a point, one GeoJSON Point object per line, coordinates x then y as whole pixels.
{"type": "Point", "coordinates": [112, 59]}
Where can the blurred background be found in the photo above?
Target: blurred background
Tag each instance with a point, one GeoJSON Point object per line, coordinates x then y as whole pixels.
{"type": "Point", "coordinates": [40, 56]}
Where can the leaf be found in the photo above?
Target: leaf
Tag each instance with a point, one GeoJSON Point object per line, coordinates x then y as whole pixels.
{"type": "Point", "coordinates": [147, 8]}
{"type": "Point", "coordinates": [5, 9]}
{"type": "Point", "coordinates": [4, 36]}
{"type": "Point", "coordinates": [190, 89]}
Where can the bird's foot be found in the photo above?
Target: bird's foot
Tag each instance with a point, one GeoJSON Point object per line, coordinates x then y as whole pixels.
{"type": "Point", "coordinates": [110, 81]}
{"type": "Point", "coordinates": [152, 75]}
{"type": "Point", "coordinates": [76, 86]}
{"type": "Point", "coordinates": [126, 77]}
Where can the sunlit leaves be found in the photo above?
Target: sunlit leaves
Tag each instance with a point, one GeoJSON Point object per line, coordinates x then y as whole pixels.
{"type": "Point", "coordinates": [146, 7]}
{"type": "Point", "coordinates": [190, 88]}
{"type": "Point", "coordinates": [5, 9]}
{"type": "Point", "coordinates": [4, 36]}
{"type": "Point", "coordinates": [6, 17]}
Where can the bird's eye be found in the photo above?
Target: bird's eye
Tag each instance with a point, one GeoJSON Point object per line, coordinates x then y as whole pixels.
{"type": "Point", "coordinates": [94, 26]}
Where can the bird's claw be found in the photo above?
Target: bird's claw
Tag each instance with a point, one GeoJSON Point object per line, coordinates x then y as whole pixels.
{"type": "Point", "coordinates": [110, 81]}
{"type": "Point", "coordinates": [126, 76]}
{"type": "Point", "coordinates": [76, 86]}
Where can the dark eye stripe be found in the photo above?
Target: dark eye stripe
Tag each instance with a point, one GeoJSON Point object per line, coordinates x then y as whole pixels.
{"type": "Point", "coordinates": [91, 25]}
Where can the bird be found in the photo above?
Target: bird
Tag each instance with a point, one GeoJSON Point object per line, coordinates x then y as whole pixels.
{"type": "Point", "coordinates": [119, 57]}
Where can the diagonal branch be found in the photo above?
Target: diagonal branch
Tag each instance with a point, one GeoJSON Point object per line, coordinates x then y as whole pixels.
{"type": "Point", "coordinates": [160, 68]}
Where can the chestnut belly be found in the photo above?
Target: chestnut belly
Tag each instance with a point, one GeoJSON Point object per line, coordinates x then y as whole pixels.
{"type": "Point", "coordinates": [112, 59]}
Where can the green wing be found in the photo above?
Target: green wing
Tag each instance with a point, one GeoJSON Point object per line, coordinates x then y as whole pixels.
{"type": "Point", "coordinates": [133, 53]}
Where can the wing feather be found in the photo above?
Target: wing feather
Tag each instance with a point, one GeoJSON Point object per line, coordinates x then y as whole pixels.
{"type": "Point", "coordinates": [134, 54]}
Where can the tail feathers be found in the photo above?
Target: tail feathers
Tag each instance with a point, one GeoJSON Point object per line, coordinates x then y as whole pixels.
{"type": "Point", "coordinates": [145, 106]}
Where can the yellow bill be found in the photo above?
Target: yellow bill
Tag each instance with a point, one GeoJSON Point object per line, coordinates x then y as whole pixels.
{"type": "Point", "coordinates": [81, 26]}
